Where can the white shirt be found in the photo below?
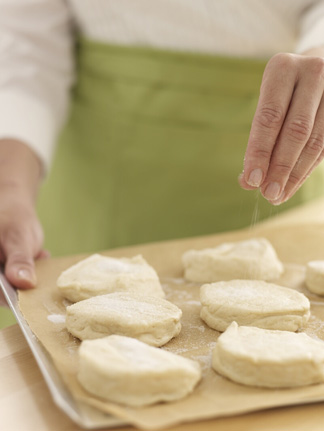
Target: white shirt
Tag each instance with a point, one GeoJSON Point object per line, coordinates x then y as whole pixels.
{"type": "Point", "coordinates": [36, 45]}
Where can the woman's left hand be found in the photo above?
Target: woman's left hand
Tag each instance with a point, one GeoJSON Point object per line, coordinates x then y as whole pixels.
{"type": "Point", "coordinates": [286, 141]}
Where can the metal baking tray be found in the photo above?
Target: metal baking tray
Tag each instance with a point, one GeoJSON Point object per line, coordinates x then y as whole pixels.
{"type": "Point", "coordinates": [85, 416]}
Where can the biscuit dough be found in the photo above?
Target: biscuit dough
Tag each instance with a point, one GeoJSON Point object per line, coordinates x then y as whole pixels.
{"type": "Point", "coordinates": [149, 319]}
{"type": "Point", "coordinates": [98, 275]}
{"type": "Point", "coordinates": [266, 358]}
{"type": "Point", "coordinates": [127, 371]}
{"type": "Point", "coordinates": [253, 259]}
{"type": "Point", "coordinates": [315, 276]}
{"type": "Point", "coordinates": [253, 303]}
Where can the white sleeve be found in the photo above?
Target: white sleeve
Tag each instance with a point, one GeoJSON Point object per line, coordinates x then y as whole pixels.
{"type": "Point", "coordinates": [311, 27]}
{"type": "Point", "coordinates": [36, 72]}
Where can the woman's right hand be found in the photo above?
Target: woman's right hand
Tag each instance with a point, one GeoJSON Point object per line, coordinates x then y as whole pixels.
{"type": "Point", "coordinates": [21, 235]}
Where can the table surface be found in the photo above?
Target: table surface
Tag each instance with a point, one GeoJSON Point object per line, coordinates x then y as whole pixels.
{"type": "Point", "coordinates": [26, 404]}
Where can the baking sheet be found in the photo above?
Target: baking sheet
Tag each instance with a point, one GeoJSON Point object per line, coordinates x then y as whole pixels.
{"type": "Point", "coordinates": [83, 414]}
{"type": "Point", "coordinates": [215, 396]}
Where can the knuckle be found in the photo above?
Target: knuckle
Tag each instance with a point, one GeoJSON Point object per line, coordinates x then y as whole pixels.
{"type": "Point", "coordinates": [282, 169]}
{"type": "Point", "coordinates": [11, 235]}
{"type": "Point", "coordinates": [270, 116]}
{"type": "Point", "coordinates": [299, 128]}
{"type": "Point", "coordinates": [20, 232]}
{"type": "Point", "coordinates": [20, 259]}
{"type": "Point", "coordinates": [260, 153]}
{"type": "Point", "coordinates": [315, 145]}
{"type": "Point", "coordinates": [293, 179]}
{"type": "Point", "coordinates": [18, 242]}
{"type": "Point", "coordinates": [283, 60]}
{"type": "Point", "coordinates": [317, 67]}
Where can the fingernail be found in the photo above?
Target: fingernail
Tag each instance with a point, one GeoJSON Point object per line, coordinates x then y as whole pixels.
{"type": "Point", "coordinates": [26, 275]}
{"type": "Point", "coordinates": [280, 199]}
{"type": "Point", "coordinates": [255, 177]}
{"type": "Point", "coordinates": [272, 192]}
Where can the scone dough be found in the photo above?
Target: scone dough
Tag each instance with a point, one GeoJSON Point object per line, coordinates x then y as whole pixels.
{"type": "Point", "coordinates": [315, 276]}
{"type": "Point", "coordinates": [253, 303]}
{"type": "Point", "coordinates": [149, 319]}
{"type": "Point", "coordinates": [127, 371]}
{"type": "Point", "coordinates": [98, 275]}
{"type": "Point", "coordinates": [273, 359]}
{"type": "Point", "coordinates": [253, 259]}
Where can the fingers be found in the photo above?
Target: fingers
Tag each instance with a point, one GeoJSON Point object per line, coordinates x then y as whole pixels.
{"type": "Point", "coordinates": [291, 122]}
{"type": "Point", "coordinates": [310, 157]}
{"type": "Point", "coordinates": [275, 95]}
{"type": "Point", "coordinates": [19, 266]}
{"type": "Point", "coordinates": [43, 254]}
{"type": "Point", "coordinates": [294, 137]}
{"type": "Point", "coordinates": [20, 231]}
{"type": "Point", "coordinates": [21, 239]}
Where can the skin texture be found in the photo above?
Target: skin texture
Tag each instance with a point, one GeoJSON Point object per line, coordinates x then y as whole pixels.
{"type": "Point", "coordinates": [21, 235]}
{"type": "Point", "coordinates": [287, 135]}
{"type": "Point", "coordinates": [285, 145]}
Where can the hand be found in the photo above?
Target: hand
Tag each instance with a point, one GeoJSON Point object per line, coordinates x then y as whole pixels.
{"type": "Point", "coordinates": [286, 141]}
{"type": "Point", "coordinates": [21, 235]}
{"type": "Point", "coordinates": [21, 240]}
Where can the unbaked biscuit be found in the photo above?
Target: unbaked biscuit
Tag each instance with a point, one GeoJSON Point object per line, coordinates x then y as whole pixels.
{"type": "Point", "coordinates": [149, 319]}
{"type": "Point", "coordinates": [274, 359]}
{"type": "Point", "coordinates": [253, 259]}
{"type": "Point", "coordinates": [127, 371]}
{"type": "Point", "coordinates": [315, 276]}
{"type": "Point", "coordinates": [253, 303]}
{"type": "Point", "coordinates": [98, 275]}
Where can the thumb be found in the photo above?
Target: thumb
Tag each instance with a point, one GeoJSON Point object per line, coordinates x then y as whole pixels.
{"type": "Point", "coordinates": [19, 266]}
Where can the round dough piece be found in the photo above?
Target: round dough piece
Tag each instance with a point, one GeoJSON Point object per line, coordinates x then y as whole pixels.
{"type": "Point", "coordinates": [253, 303]}
{"type": "Point", "coordinates": [127, 371]}
{"type": "Point", "coordinates": [149, 319]}
{"type": "Point", "coordinates": [273, 359]}
{"type": "Point", "coordinates": [253, 259]}
{"type": "Point", "coordinates": [315, 276]}
{"type": "Point", "coordinates": [98, 275]}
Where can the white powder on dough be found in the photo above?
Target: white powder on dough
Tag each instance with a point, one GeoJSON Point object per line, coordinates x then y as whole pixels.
{"type": "Point", "coordinates": [118, 266]}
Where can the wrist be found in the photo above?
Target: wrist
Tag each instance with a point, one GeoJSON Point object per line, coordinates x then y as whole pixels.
{"type": "Point", "coordinates": [20, 170]}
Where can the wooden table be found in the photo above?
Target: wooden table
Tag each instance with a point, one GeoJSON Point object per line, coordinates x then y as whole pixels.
{"type": "Point", "coordinates": [26, 405]}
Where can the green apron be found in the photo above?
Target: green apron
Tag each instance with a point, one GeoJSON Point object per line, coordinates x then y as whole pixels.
{"type": "Point", "coordinates": [152, 150]}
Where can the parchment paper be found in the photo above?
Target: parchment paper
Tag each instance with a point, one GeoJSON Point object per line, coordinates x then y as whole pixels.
{"type": "Point", "coordinates": [215, 396]}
